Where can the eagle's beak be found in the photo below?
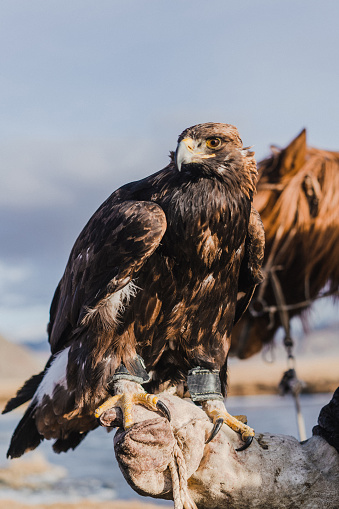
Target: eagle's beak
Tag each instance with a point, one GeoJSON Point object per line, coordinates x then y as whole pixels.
{"type": "Point", "coordinates": [188, 152]}
{"type": "Point", "coordinates": [184, 152]}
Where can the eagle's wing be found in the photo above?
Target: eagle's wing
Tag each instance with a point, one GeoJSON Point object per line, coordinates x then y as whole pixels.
{"type": "Point", "coordinates": [109, 252]}
{"type": "Point", "coordinates": [250, 271]}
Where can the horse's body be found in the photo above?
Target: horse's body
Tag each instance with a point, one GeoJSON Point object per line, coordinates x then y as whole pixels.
{"type": "Point", "coordinates": [298, 200]}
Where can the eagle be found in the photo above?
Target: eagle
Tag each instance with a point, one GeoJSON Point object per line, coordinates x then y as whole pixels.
{"type": "Point", "coordinates": [152, 288]}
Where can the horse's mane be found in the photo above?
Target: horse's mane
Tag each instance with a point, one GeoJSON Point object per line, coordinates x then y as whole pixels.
{"type": "Point", "coordinates": [298, 200]}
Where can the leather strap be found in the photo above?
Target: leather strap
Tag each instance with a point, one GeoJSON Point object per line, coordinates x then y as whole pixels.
{"type": "Point", "coordinates": [204, 384]}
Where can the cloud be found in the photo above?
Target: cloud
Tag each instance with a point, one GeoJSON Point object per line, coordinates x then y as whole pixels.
{"type": "Point", "coordinates": [47, 173]}
{"type": "Point", "coordinates": [92, 98]}
{"type": "Point", "coordinates": [20, 320]}
{"type": "Point", "coordinates": [50, 188]}
{"type": "Point", "coordinates": [12, 276]}
{"type": "Point", "coordinates": [24, 323]}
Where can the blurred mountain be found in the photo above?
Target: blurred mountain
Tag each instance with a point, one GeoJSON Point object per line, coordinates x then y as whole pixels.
{"type": "Point", "coordinates": [37, 346]}
{"type": "Point", "coordinates": [316, 362]}
{"type": "Point", "coordinates": [17, 363]}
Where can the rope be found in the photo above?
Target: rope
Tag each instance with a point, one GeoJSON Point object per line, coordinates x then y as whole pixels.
{"type": "Point", "coordinates": [290, 307]}
{"type": "Point", "coordinates": [177, 466]}
{"type": "Point", "coordinates": [290, 383]}
{"type": "Point", "coordinates": [178, 503]}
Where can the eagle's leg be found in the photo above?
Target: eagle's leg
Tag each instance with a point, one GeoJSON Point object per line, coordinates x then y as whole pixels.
{"type": "Point", "coordinates": [204, 387]}
{"type": "Point", "coordinates": [127, 391]}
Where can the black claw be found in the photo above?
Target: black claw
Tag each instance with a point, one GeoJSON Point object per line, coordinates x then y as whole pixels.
{"type": "Point", "coordinates": [98, 419]}
{"type": "Point", "coordinates": [216, 428]}
{"type": "Point", "coordinates": [246, 444]}
{"type": "Point", "coordinates": [163, 409]}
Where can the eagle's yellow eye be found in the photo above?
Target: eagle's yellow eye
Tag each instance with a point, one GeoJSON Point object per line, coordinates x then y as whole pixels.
{"type": "Point", "coordinates": [213, 143]}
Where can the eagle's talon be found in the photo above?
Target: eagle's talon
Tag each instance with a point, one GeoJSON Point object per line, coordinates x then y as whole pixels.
{"type": "Point", "coordinates": [246, 444]}
{"type": "Point", "coordinates": [216, 428]}
{"type": "Point", "coordinates": [163, 409]}
{"type": "Point", "coordinates": [98, 419]}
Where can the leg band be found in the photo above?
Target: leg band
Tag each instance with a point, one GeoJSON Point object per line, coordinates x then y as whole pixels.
{"type": "Point", "coordinates": [204, 384]}
{"type": "Point", "coordinates": [137, 374]}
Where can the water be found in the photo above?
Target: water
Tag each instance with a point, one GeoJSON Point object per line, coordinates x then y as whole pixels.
{"type": "Point", "coordinates": [91, 471]}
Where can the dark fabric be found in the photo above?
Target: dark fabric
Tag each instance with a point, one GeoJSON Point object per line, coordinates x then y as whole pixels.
{"type": "Point", "coordinates": [328, 422]}
{"type": "Point", "coordinates": [204, 384]}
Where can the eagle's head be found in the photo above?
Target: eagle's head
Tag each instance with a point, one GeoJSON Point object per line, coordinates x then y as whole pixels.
{"type": "Point", "coordinates": [216, 150]}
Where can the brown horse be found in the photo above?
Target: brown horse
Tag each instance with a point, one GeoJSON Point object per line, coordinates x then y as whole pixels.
{"type": "Point", "coordinates": [298, 200]}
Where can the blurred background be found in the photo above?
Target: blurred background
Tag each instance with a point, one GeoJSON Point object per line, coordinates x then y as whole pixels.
{"type": "Point", "coordinates": [95, 94]}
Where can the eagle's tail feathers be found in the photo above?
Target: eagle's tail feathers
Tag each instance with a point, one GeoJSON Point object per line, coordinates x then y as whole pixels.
{"type": "Point", "coordinates": [25, 437]}
{"type": "Point", "coordinates": [24, 394]}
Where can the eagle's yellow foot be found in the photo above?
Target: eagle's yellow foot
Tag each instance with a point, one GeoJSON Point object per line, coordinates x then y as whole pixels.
{"type": "Point", "coordinates": [237, 423]}
{"type": "Point", "coordinates": [126, 401]}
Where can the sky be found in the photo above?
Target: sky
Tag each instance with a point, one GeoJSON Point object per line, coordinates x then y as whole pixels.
{"type": "Point", "coordinates": [94, 94]}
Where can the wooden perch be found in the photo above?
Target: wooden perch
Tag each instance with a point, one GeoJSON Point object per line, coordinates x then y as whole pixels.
{"type": "Point", "coordinates": [275, 472]}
